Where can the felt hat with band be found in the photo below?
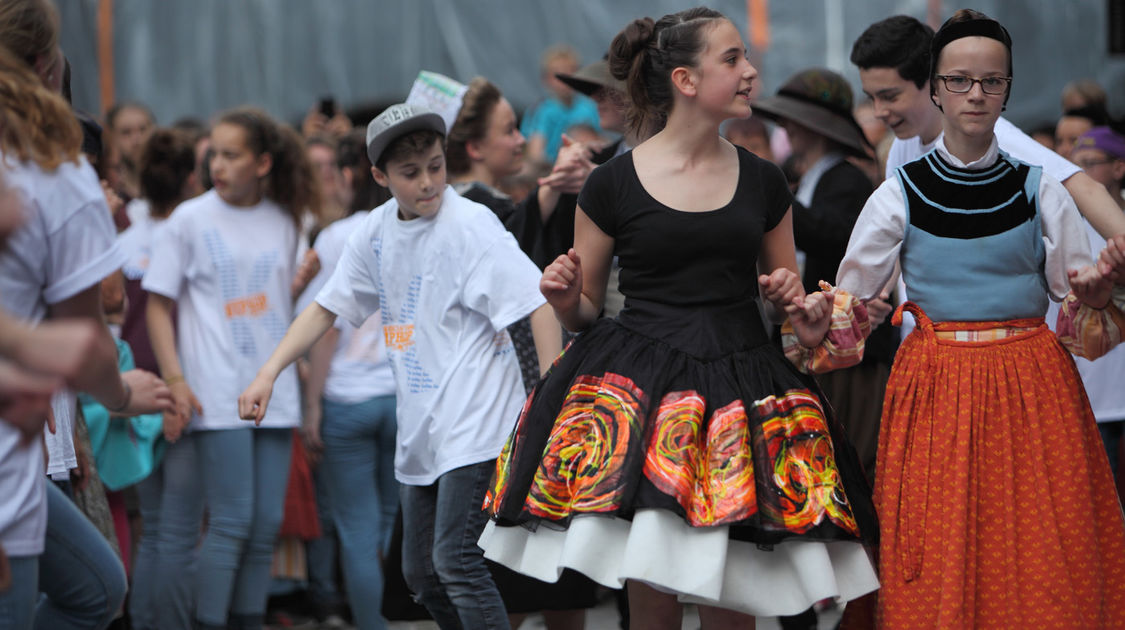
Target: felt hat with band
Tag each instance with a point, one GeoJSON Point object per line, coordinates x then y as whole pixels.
{"type": "Point", "coordinates": [592, 78]}
{"type": "Point", "coordinates": [820, 100]}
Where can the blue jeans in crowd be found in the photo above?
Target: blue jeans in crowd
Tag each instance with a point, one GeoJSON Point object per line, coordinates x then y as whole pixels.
{"type": "Point", "coordinates": [441, 561]}
{"type": "Point", "coordinates": [358, 473]}
{"type": "Point", "coordinates": [245, 473]}
{"type": "Point", "coordinates": [76, 583]}
{"type": "Point", "coordinates": [171, 501]}
{"type": "Point", "coordinates": [1111, 438]}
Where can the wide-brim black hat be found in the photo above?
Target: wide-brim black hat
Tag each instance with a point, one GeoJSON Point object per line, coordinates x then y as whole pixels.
{"type": "Point", "coordinates": [592, 78]}
{"type": "Point", "coordinates": [820, 100]}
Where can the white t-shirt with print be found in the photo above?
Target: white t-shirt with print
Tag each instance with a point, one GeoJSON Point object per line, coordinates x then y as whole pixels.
{"type": "Point", "coordinates": [230, 270]}
{"type": "Point", "coordinates": [448, 286]}
{"type": "Point", "coordinates": [136, 243]}
{"type": "Point", "coordinates": [360, 369]}
{"type": "Point", "coordinates": [65, 246]}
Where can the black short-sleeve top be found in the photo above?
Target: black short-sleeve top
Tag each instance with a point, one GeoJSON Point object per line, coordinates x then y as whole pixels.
{"type": "Point", "coordinates": [686, 258]}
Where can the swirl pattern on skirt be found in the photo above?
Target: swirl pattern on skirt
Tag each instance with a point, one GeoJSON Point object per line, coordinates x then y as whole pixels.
{"type": "Point", "coordinates": [711, 477]}
{"type": "Point", "coordinates": [804, 484]}
{"type": "Point", "coordinates": [581, 467]}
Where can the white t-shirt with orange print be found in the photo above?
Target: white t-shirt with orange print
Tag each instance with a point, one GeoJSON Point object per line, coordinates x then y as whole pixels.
{"type": "Point", "coordinates": [448, 287]}
{"type": "Point", "coordinates": [229, 269]}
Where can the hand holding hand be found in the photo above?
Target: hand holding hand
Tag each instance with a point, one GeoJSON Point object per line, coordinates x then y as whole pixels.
{"type": "Point", "coordinates": [781, 287]}
{"type": "Point", "coordinates": [1091, 287]}
{"type": "Point", "coordinates": [1111, 262]}
{"type": "Point", "coordinates": [310, 432]}
{"type": "Point", "coordinates": [149, 394]}
{"type": "Point", "coordinates": [878, 309]}
{"type": "Point", "coordinates": [811, 316]}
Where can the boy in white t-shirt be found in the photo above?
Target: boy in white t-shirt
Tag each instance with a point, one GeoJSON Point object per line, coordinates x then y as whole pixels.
{"type": "Point", "coordinates": [448, 279]}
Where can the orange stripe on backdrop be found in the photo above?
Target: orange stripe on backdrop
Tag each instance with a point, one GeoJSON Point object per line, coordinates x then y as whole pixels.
{"type": "Point", "coordinates": [758, 15]}
{"type": "Point", "coordinates": [105, 54]}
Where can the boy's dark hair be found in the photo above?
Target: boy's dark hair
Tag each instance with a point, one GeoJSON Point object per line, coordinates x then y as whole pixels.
{"type": "Point", "coordinates": [900, 42]}
{"type": "Point", "coordinates": [1093, 113]}
{"type": "Point", "coordinates": [409, 145]}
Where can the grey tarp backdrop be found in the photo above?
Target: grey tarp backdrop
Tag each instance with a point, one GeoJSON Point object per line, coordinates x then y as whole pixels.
{"type": "Point", "coordinates": [196, 57]}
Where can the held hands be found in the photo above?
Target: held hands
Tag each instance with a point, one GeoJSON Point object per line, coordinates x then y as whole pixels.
{"type": "Point", "coordinates": [310, 432]}
{"type": "Point", "coordinates": [810, 314]}
{"type": "Point", "coordinates": [149, 394]}
{"type": "Point", "coordinates": [1090, 286]}
{"type": "Point", "coordinates": [878, 309]}
{"type": "Point", "coordinates": [571, 168]}
{"type": "Point", "coordinates": [252, 403]}
{"type": "Point", "coordinates": [561, 283]}
{"type": "Point", "coordinates": [184, 403]}
{"type": "Point", "coordinates": [1111, 262]}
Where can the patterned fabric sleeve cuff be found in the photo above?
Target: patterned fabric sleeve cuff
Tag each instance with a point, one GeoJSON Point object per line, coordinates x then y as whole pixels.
{"type": "Point", "coordinates": [1089, 332]}
{"type": "Point", "coordinates": [842, 347]}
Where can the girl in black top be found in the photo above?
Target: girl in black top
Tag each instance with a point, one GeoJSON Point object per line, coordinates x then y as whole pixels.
{"type": "Point", "coordinates": [720, 476]}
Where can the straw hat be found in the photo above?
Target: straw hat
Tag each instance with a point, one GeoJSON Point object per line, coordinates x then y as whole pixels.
{"type": "Point", "coordinates": [820, 100]}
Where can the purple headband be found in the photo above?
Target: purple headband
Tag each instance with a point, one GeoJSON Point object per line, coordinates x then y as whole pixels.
{"type": "Point", "coordinates": [1103, 139]}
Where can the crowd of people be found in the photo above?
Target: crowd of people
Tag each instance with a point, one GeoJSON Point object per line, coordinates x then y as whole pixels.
{"type": "Point", "coordinates": [667, 339]}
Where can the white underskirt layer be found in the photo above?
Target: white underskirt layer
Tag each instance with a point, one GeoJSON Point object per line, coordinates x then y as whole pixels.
{"type": "Point", "coordinates": [700, 565]}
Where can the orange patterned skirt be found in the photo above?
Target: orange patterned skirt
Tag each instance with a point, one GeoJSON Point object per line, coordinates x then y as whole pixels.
{"type": "Point", "coordinates": [996, 504]}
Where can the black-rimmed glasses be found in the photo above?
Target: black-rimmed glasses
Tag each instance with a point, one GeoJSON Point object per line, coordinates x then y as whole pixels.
{"type": "Point", "coordinates": [960, 84]}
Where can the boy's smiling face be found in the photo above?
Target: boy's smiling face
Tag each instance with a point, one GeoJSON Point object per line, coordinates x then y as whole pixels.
{"type": "Point", "coordinates": [416, 181]}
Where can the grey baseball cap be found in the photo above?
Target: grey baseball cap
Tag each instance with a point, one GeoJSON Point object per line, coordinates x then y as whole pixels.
{"type": "Point", "coordinates": [398, 120]}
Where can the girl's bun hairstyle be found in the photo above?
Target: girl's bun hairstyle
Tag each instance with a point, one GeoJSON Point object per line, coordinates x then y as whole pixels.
{"type": "Point", "coordinates": [645, 53]}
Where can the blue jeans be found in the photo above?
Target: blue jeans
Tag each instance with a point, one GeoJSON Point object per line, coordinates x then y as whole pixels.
{"type": "Point", "coordinates": [358, 473]}
{"type": "Point", "coordinates": [171, 499]}
{"type": "Point", "coordinates": [245, 473]}
{"type": "Point", "coordinates": [441, 561]}
{"type": "Point", "coordinates": [76, 583]}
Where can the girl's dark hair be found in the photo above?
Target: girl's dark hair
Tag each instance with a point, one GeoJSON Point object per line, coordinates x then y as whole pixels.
{"type": "Point", "coordinates": [291, 182]}
{"type": "Point", "coordinates": [471, 123]}
{"type": "Point", "coordinates": [645, 53]}
{"type": "Point", "coordinates": [167, 161]}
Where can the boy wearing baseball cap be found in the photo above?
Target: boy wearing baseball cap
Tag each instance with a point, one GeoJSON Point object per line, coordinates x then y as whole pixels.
{"type": "Point", "coordinates": [448, 280]}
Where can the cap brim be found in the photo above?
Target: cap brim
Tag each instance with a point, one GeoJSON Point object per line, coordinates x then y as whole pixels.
{"type": "Point", "coordinates": [378, 144]}
{"type": "Point", "coordinates": [844, 131]}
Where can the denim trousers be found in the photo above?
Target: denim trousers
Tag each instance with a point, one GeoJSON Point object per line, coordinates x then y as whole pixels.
{"type": "Point", "coordinates": [441, 561]}
{"type": "Point", "coordinates": [358, 474]}
{"type": "Point", "coordinates": [1111, 438]}
{"type": "Point", "coordinates": [244, 474]}
{"type": "Point", "coordinates": [76, 583]}
{"type": "Point", "coordinates": [171, 502]}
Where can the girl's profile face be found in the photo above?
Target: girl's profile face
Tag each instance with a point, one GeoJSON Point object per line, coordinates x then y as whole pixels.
{"type": "Point", "coordinates": [501, 149]}
{"type": "Point", "coordinates": [973, 113]}
{"type": "Point", "coordinates": [236, 170]}
{"type": "Point", "coordinates": [724, 76]}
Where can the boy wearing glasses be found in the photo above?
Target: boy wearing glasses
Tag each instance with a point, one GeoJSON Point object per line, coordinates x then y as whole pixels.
{"type": "Point", "coordinates": [893, 60]}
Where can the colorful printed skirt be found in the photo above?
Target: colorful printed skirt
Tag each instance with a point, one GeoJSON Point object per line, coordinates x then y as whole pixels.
{"type": "Point", "coordinates": [996, 504]}
{"type": "Point", "coordinates": [679, 447]}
